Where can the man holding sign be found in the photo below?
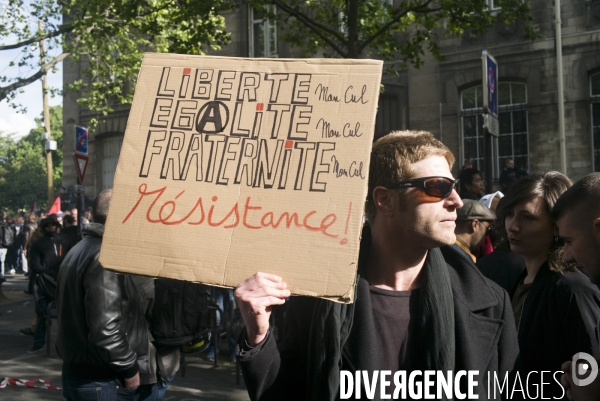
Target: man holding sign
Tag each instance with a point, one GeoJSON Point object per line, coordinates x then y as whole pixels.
{"type": "Point", "coordinates": [417, 307]}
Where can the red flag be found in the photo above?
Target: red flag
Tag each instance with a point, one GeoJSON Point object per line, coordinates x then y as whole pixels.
{"type": "Point", "coordinates": [33, 208]}
{"type": "Point", "coordinates": [55, 206]}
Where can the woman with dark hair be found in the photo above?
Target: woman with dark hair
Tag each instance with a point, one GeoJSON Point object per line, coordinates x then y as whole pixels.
{"type": "Point", "coordinates": [551, 300]}
{"type": "Point", "coordinates": [471, 184]}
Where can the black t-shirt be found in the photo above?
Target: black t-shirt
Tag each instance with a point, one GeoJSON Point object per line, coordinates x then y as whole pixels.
{"type": "Point", "coordinates": [396, 331]}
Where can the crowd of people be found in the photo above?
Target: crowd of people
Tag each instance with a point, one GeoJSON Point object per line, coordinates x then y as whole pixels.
{"type": "Point", "coordinates": [104, 333]}
{"type": "Point", "coordinates": [449, 280]}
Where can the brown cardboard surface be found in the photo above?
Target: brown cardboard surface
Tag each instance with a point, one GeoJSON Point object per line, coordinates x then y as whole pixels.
{"type": "Point", "coordinates": [231, 166]}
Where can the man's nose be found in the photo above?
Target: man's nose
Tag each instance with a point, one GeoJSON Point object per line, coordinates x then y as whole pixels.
{"type": "Point", "coordinates": [454, 200]}
{"type": "Point", "coordinates": [568, 255]}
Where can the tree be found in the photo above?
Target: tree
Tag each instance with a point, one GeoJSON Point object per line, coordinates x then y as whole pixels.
{"type": "Point", "coordinates": [110, 36]}
{"type": "Point", "coordinates": [23, 165]}
{"type": "Point", "coordinates": [375, 28]}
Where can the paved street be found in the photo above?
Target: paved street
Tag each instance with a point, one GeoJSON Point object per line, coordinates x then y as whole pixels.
{"type": "Point", "coordinates": [202, 382]}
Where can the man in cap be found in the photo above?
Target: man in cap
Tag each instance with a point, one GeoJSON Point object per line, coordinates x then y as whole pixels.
{"type": "Point", "coordinates": [491, 200]}
{"type": "Point", "coordinates": [472, 224]}
{"type": "Point", "coordinates": [45, 256]}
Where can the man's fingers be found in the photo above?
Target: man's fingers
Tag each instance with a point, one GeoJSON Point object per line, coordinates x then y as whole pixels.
{"type": "Point", "coordinates": [265, 292]}
{"type": "Point", "coordinates": [261, 285]}
{"type": "Point", "coordinates": [276, 301]}
{"type": "Point", "coordinates": [261, 299]}
{"type": "Point", "coordinates": [268, 276]}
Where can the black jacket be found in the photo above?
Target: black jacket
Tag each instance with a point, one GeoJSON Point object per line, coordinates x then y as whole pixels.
{"type": "Point", "coordinates": [71, 234]}
{"type": "Point", "coordinates": [102, 328]}
{"type": "Point", "coordinates": [502, 267]}
{"type": "Point", "coordinates": [47, 253]}
{"type": "Point", "coordinates": [559, 319]}
{"type": "Point", "coordinates": [485, 338]}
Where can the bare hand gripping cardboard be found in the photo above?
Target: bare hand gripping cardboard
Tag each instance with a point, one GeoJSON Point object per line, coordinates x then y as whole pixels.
{"type": "Point", "coordinates": [231, 166]}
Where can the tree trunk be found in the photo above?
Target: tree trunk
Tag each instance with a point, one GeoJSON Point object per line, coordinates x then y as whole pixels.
{"type": "Point", "coordinates": [352, 14]}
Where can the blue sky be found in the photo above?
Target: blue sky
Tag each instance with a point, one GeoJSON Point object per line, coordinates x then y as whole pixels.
{"type": "Point", "coordinates": [21, 123]}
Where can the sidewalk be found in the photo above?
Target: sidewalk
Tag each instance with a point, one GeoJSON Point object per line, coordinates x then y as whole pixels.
{"type": "Point", "coordinates": [202, 382]}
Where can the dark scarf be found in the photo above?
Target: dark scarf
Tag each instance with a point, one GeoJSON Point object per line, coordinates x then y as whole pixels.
{"type": "Point", "coordinates": [332, 323]}
{"type": "Point", "coordinates": [436, 307]}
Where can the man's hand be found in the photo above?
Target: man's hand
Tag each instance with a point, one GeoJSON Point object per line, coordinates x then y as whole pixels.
{"type": "Point", "coordinates": [133, 382]}
{"type": "Point", "coordinates": [255, 296]}
{"type": "Point", "coordinates": [590, 392]}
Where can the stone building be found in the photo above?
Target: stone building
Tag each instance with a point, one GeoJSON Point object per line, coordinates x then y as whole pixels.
{"type": "Point", "coordinates": [441, 97]}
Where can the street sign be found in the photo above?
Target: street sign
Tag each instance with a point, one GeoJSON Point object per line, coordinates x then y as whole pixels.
{"type": "Point", "coordinates": [81, 163]}
{"type": "Point", "coordinates": [81, 140]}
{"type": "Point", "coordinates": [491, 123]}
{"type": "Point", "coordinates": [490, 84]}
{"type": "Point", "coordinates": [490, 111]}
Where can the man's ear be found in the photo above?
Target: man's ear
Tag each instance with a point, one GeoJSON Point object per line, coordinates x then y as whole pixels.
{"type": "Point", "coordinates": [385, 201]}
{"type": "Point", "coordinates": [596, 229]}
{"type": "Point", "coordinates": [473, 226]}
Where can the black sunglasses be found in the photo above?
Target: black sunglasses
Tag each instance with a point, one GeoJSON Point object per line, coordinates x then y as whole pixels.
{"type": "Point", "coordinates": [438, 187]}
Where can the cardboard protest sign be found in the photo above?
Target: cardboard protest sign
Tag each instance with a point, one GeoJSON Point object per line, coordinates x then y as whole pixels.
{"type": "Point", "coordinates": [231, 166]}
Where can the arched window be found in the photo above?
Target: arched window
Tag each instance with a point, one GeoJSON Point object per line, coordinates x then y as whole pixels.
{"type": "Point", "coordinates": [595, 104]}
{"type": "Point", "coordinates": [513, 142]}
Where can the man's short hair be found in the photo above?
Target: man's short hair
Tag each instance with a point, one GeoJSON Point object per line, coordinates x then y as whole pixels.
{"type": "Point", "coordinates": [466, 177]}
{"type": "Point", "coordinates": [394, 155]}
{"type": "Point", "coordinates": [68, 220]}
{"type": "Point", "coordinates": [100, 208]}
{"type": "Point", "coordinates": [583, 196]}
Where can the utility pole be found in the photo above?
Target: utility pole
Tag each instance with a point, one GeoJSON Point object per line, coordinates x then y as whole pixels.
{"type": "Point", "coordinates": [50, 145]}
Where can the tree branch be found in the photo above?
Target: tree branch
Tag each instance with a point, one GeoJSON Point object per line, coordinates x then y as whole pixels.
{"type": "Point", "coordinates": [395, 21]}
{"type": "Point", "coordinates": [58, 32]}
{"type": "Point", "coordinates": [5, 91]}
{"type": "Point", "coordinates": [312, 25]}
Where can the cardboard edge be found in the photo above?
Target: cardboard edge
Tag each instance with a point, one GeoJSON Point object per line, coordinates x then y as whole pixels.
{"type": "Point", "coordinates": [149, 57]}
{"type": "Point", "coordinates": [317, 61]}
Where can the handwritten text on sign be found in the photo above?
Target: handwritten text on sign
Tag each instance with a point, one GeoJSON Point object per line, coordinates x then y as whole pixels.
{"type": "Point", "coordinates": [247, 128]}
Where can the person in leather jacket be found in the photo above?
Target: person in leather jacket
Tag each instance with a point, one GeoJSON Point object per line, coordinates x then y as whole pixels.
{"type": "Point", "coordinates": [103, 333]}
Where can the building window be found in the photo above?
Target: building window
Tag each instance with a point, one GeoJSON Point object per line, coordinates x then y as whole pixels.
{"type": "Point", "coordinates": [513, 142]}
{"type": "Point", "coordinates": [493, 4]}
{"type": "Point", "coordinates": [111, 148]}
{"type": "Point", "coordinates": [389, 115]}
{"type": "Point", "coordinates": [595, 98]}
{"type": "Point", "coordinates": [263, 33]}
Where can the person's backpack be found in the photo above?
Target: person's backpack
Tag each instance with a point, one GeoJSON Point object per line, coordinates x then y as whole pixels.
{"type": "Point", "coordinates": [7, 236]}
{"type": "Point", "coordinates": [183, 312]}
